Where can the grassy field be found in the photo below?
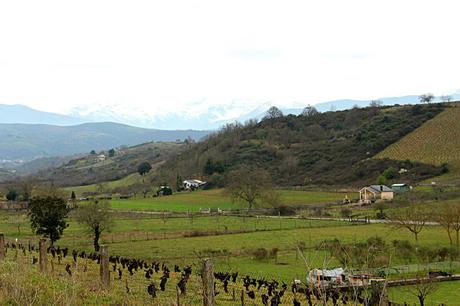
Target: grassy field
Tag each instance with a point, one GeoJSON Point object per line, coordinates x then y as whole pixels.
{"type": "Point", "coordinates": [230, 240]}
{"type": "Point", "coordinates": [194, 201]}
{"type": "Point", "coordinates": [435, 142]}
{"type": "Point", "coordinates": [126, 181]}
{"type": "Point", "coordinates": [447, 293]}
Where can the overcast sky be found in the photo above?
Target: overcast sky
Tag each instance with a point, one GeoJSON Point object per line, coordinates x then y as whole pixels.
{"type": "Point", "coordinates": [168, 55]}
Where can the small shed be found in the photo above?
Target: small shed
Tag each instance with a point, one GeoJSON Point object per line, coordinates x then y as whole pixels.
{"type": "Point", "coordinates": [323, 277]}
{"type": "Point", "coordinates": [400, 187]}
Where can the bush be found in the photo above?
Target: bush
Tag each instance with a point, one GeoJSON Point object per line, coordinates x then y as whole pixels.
{"type": "Point", "coordinates": [274, 253]}
{"type": "Point", "coordinates": [346, 212]}
{"type": "Point", "coordinates": [403, 248]}
{"type": "Point", "coordinates": [285, 210]}
{"type": "Point", "coordinates": [11, 195]}
{"type": "Point", "coordinates": [390, 173]}
{"type": "Point", "coordinates": [426, 254]}
{"type": "Point", "coordinates": [301, 246]}
{"type": "Point", "coordinates": [215, 181]}
{"type": "Point", "coordinates": [261, 254]}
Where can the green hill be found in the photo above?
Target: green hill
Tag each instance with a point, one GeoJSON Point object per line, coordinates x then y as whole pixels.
{"type": "Point", "coordinates": [30, 141]}
{"type": "Point", "coordinates": [90, 170]}
{"type": "Point", "coordinates": [320, 149]}
{"type": "Point", "coordinates": [332, 148]}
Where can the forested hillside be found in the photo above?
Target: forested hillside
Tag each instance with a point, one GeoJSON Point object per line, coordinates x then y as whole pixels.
{"type": "Point", "coordinates": [313, 148]}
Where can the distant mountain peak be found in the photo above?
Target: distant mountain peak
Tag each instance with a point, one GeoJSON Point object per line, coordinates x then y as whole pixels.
{"type": "Point", "coordinates": [199, 115]}
{"type": "Point", "coordinates": [17, 113]}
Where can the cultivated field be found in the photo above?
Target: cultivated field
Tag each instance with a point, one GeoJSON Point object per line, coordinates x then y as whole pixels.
{"type": "Point", "coordinates": [435, 142]}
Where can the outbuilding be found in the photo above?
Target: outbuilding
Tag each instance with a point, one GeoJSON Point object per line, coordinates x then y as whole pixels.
{"type": "Point", "coordinates": [324, 277]}
{"type": "Point", "coordinates": [193, 184]}
{"type": "Point", "coordinates": [401, 187]}
{"type": "Point", "coordinates": [373, 193]}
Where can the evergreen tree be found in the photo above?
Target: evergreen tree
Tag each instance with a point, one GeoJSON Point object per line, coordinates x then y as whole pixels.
{"type": "Point", "coordinates": [48, 217]}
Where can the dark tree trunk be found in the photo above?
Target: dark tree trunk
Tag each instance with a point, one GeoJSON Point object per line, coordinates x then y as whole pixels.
{"type": "Point", "coordinates": [457, 240]}
{"type": "Point", "coordinates": [421, 299]}
{"type": "Point", "coordinates": [97, 234]}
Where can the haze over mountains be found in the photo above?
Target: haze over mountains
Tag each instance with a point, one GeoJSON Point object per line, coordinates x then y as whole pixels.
{"type": "Point", "coordinates": [27, 134]}
{"type": "Point", "coordinates": [30, 141]}
{"type": "Point", "coordinates": [198, 118]}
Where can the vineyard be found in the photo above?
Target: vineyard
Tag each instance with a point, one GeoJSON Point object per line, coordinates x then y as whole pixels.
{"type": "Point", "coordinates": [435, 142]}
{"type": "Point", "coordinates": [59, 276]}
{"type": "Point", "coordinates": [270, 252]}
{"type": "Point", "coordinates": [70, 277]}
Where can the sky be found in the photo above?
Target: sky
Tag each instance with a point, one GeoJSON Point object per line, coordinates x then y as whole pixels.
{"type": "Point", "coordinates": [189, 55]}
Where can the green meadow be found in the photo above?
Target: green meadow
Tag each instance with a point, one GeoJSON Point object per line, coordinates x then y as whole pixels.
{"type": "Point", "coordinates": [214, 199]}
{"type": "Point", "coordinates": [231, 241]}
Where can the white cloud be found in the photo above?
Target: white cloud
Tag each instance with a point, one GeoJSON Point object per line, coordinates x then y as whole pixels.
{"type": "Point", "coordinates": [163, 56]}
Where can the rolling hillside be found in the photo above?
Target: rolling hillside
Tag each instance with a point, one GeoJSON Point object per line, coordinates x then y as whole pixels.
{"type": "Point", "coordinates": [331, 148]}
{"type": "Point", "coordinates": [435, 142]}
{"type": "Point", "coordinates": [88, 169]}
{"type": "Point", "coordinates": [30, 141]}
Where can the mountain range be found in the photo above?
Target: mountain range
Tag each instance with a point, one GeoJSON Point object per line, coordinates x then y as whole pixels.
{"type": "Point", "coordinates": [31, 141]}
{"type": "Point", "coordinates": [209, 118]}
{"type": "Point", "coordinates": [27, 134]}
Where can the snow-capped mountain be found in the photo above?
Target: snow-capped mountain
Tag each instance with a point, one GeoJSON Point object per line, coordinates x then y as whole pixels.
{"type": "Point", "coordinates": [199, 115]}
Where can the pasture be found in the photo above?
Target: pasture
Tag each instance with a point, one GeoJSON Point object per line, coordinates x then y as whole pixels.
{"type": "Point", "coordinates": [214, 199]}
{"type": "Point", "coordinates": [447, 293]}
{"type": "Point", "coordinates": [170, 229]}
{"type": "Point", "coordinates": [230, 241]}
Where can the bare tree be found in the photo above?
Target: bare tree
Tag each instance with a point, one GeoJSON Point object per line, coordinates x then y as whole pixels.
{"type": "Point", "coordinates": [252, 186]}
{"type": "Point", "coordinates": [448, 216]}
{"type": "Point", "coordinates": [309, 111]}
{"type": "Point", "coordinates": [426, 98]}
{"type": "Point", "coordinates": [456, 224]}
{"type": "Point", "coordinates": [423, 287]}
{"type": "Point", "coordinates": [273, 112]}
{"type": "Point", "coordinates": [48, 190]}
{"type": "Point", "coordinates": [445, 219]}
{"type": "Point", "coordinates": [376, 103]}
{"type": "Point", "coordinates": [411, 218]}
{"type": "Point", "coordinates": [97, 218]}
{"type": "Point", "coordinates": [446, 98]}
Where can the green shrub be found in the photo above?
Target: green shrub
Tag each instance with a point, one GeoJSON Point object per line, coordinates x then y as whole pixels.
{"type": "Point", "coordinates": [261, 254]}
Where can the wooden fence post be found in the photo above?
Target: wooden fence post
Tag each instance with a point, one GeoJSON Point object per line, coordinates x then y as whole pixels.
{"type": "Point", "coordinates": [177, 296]}
{"type": "Point", "coordinates": [2, 247]}
{"type": "Point", "coordinates": [208, 283]}
{"type": "Point", "coordinates": [104, 267]}
{"type": "Point", "coordinates": [43, 260]}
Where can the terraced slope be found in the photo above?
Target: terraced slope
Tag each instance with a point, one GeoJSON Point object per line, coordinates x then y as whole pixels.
{"type": "Point", "coordinates": [437, 141]}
